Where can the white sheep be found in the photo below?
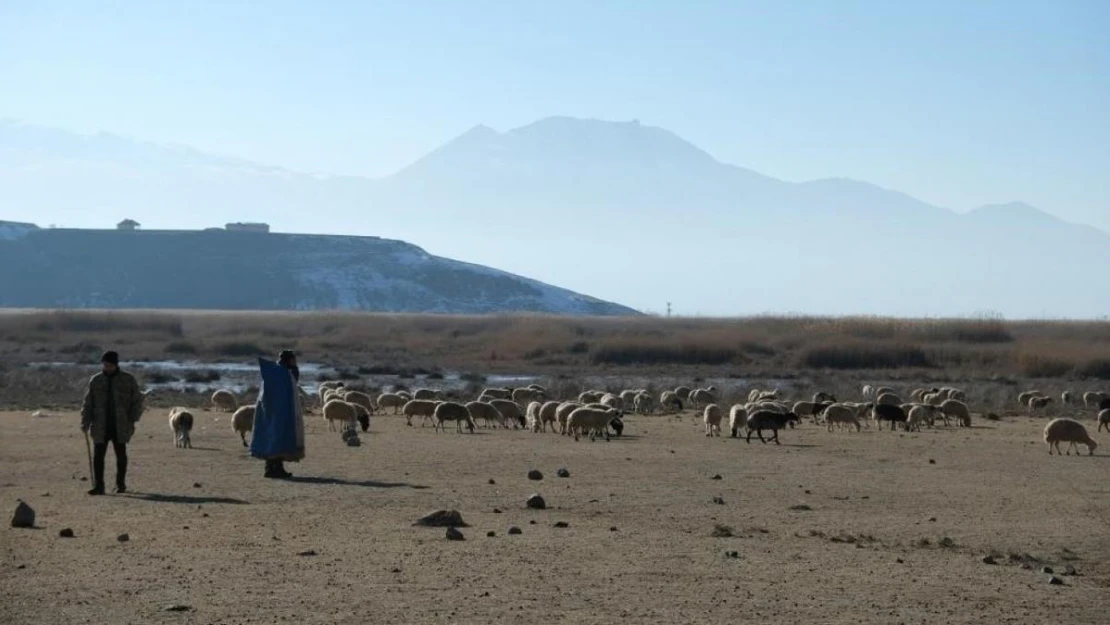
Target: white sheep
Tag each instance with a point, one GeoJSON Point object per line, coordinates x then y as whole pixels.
{"type": "Point", "coordinates": [1067, 398]}
{"type": "Point", "coordinates": [510, 410]}
{"type": "Point", "coordinates": [1038, 402]}
{"type": "Point", "coordinates": [669, 400]}
{"type": "Point", "coordinates": [242, 422]}
{"type": "Point", "coordinates": [737, 418]}
{"type": "Point", "coordinates": [889, 399]}
{"type": "Point", "coordinates": [591, 421]}
{"type": "Point", "coordinates": [642, 403]}
{"type": "Point", "coordinates": [712, 417]}
{"type": "Point", "coordinates": [612, 401]}
{"type": "Point", "coordinates": [548, 415]}
{"type": "Point", "coordinates": [628, 396]}
{"type": "Point", "coordinates": [451, 411]}
{"type": "Point", "coordinates": [391, 400]}
{"type": "Point", "coordinates": [426, 393]}
{"type": "Point", "coordinates": [590, 397]}
{"type": "Point", "coordinates": [841, 415]}
{"type": "Point", "coordinates": [922, 414]}
{"type": "Point", "coordinates": [701, 397]}
{"type": "Point", "coordinates": [181, 422]}
{"type": "Point", "coordinates": [1068, 431]}
{"type": "Point", "coordinates": [683, 393]}
{"type": "Point", "coordinates": [532, 416]}
{"type": "Point", "coordinates": [523, 396]}
{"type": "Point", "coordinates": [562, 413]}
{"type": "Point", "coordinates": [423, 408]}
{"type": "Point", "coordinates": [339, 410]}
{"type": "Point", "coordinates": [224, 400]}
{"type": "Point", "coordinates": [957, 409]}
{"type": "Point", "coordinates": [362, 399]}
{"type": "Point", "coordinates": [1091, 399]}
{"type": "Point", "coordinates": [1023, 398]}
{"type": "Point", "coordinates": [497, 393]}
{"type": "Point", "coordinates": [486, 412]}
{"type": "Point", "coordinates": [868, 391]}
{"type": "Point", "coordinates": [1104, 420]}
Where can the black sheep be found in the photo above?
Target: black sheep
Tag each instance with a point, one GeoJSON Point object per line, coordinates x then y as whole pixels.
{"type": "Point", "coordinates": [767, 420]}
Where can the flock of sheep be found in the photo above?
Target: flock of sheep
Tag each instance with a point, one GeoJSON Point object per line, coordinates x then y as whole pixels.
{"type": "Point", "coordinates": [595, 413]}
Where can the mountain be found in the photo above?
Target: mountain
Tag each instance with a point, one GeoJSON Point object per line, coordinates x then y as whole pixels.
{"type": "Point", "coordinates": [616, 208]}
{"type": "Point", "coordinates": [227, 270]}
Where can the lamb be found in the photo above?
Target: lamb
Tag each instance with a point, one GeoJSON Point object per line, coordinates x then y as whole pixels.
{"type": "Point", "coordinates": [841, 415]}
{"type": "Point", "coordinates": [766, 420]}
{"type": "Point", "coordinates": [737, 418]}
{"type": "Point", "coordinates": [562, 413]}
{"type": "Point", "coordinates": [510, 410]}
{"type": "Point", "coordinates": [224, 401]}
{"type": "Point", "coordinates": [1038, 402]}
{"type": "Point", "coordinates": [669, 400]}
{"type": "Point", "coordinates": [712, 417]}
{"type": "Point", "coordinates": [339, 410]}
{"type": "Point", "coordinates": [701, 397]}
{"type": "Point", "coordinates": [889, 399]}
{"type": "Point", "coordinates": [451, 411]}
{"type": "Point", "coordinates": [486, 412]}
{"type": "Point", "coordinates": [886, 412]}
{"type": "Point", "coordinates": [242, 421]}
{"type": "Point", "coordinates": [423, 408]}
{"type": "Point", "coordinates": [591, 421]}
{"type": "Point", "coordinates": [1104, 420]}
{"type": "Point", "coordinates": [1092, 399]}
{"type": "Point", "coordinates": [1068, 431]}
{"type": "Point", "coordinates": [391, 400]}
{"type": "Point", "coordinates": [181, 422]}
{"type": "Point", "coordinates": [425, 393]}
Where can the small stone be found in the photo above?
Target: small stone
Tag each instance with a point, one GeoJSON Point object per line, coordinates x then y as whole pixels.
{"type": "Point", "coordinates": [562, 524]}
{"type": "Point", "coordinates": [562, 472]}
{"type": "Point", "coordinates": [1047, 570]}
{"type": "Point", "coordinates": [900, 561]}
{"type": "Point", "coordinates": [21, 567]}
{"type": "Point", "coordinates": [720, 501]}
{"type": "Point", "coordinates": [931, 461]}
{"type": "Point", "coordinates": [535, 475]}
{"type": "Point", "coordinates": [205, 515]}
{"type": "Point", "coordinates": [24, 516]}
{"type": "Point", "coordinates": [515, 531]}
{"type": "Point", "coordinates": [454, 534]}
{"type": "Point", "coordinates": [801, 508]}
{"type": "Point", "coordinates": [808, 493]}
{"type": "Point", "coordinates": [491, 534]}
{"type": "Point", "coordinates": [123, 538]}
{"type": "Point", "coordinates": [307, 553]}
{"type": "Point", "coordinates": [497, 510]}
{"type": "Point", "coordinates": [1070, 570]}
{"type": "Point", "coordinates": [66, 533]}
{"type": "Point", "coordinates": [177, 607]}
{"type": "Point", "coordinates": [395, 570]}
{"type": "Point", "coordinates": [1055, 581]}
{"type": "Point", "coordinates": [989, 560]}
{"type": "Point", "coordinates": [932, 519]}
{"type": "Point", "coordinates": [613, 529]}
{"type": "Point", "coordinates": [532, 522]}
{"type": "Point", "coordinates": [717, 477]}
{"type": "Point", "coordinates": [492, 481]}
{"type": "Point", "coordinates": [441, 518]}
{"type": "Point", "coordinates": [196, 484]}
{"type": "Point", "coordinates": [536, 502]}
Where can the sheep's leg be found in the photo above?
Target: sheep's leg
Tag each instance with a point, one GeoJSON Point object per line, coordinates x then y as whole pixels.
{"type": "Point", "coordinates": [243, 437]}
{"type": "Point", "coordinates": [759, 433]}
{"type": "Point", "coordinates": [776, 437]}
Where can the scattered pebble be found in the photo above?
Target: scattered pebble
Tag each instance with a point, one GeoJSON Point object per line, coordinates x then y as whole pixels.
{"type": "Point", "coordinates": [931, 461]}
{"type": "Point", "coordinates": [801, 508]}
{"type": "Point", "coordinates": [721, 531]}
{"type": "Point", "coordinates": [123, 538]}
{"type": "Point", "coordinates": [717, 477]}
{"type": "Point", "coordinates": [441, 518]}
{"type": "Point", "coordinates": [1070, 570]}
{"type": "Point", "coordinates": [66, 533]}
{"type": "Point", "coordinates": [989, 560]}
{"type": "Point", "coordinates": [1055, 581]}
{"type": "Point", "coordinates": [532, 522]}
{"type": "Point", "coordinates": [307, 553]}
{"type": "Point", "coordinates": [562, 472]}
{"type": "Point", "coordinates": [24, 516]}
{"type": "Point", "coordinates": [491, 534]}
{"type": "Point", "coordinates": [720, 501]}
{"type": "Point", "coordinates": [515, 531]}
{"type": "Point", "coordinates": [492, 481]}
{"type": "Point", "coordinates": [454, 534]}
{"type": "Point", "coordinates": [497, 510]}
{"type": "Point", "coordinates": [178, 607]}
{"type": "Point", "coordinates": [1047, 570]}
{"type": "Point", "coordinates": [536, 502]}
{"type": "Point", "coordinates": [732, 554]}
{"type": "Point", "coordinates": [535, 475]}
{"type": "Point", "coordinates": [899, 561]}
{"type": "Point", "coordinates": [561, 524]}
{"type": "Point", "coordinates": [196, 485]}
{"type": "Point", "coordinates": [613, 529]}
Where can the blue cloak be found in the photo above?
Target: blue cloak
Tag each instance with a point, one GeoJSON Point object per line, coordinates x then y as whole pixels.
{"type": "Point", "coordinates": [278, 422]}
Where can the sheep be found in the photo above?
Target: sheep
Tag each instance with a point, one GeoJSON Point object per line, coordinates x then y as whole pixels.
{"type": "Point", "coordinates": [612, 401]}
{"type": "Point", "coordinates": [1068, 431]}
{"type": "Point", "coordinates": [767, 420]}
{"type": "Point", "coordinates": [1104, 404]}
{"type": "Point", "coordinates": [562, 413]}
{"type": "Point", "coordinates": [1038, 402]}
{"type": "Point", "coordinates": [669, 400]}
{"type": "Point", "coordinates": [628, 396]}
{"type": "Point", "coordinates": [362, 399]}
{"type": "Point", "coordinates": [841, 415]}
{"type": "Point", "coordinates": [525, 395]}
{"type": "Point", "coordinates": [591, 421]}
{"type": "Point", "coordinates": [1092, 399]}
{"type": "Point", "coordinates": [642, 403]}
{"type": "Point", "coordinates": [590, 397]}
{"type": "Point", "coordinates": [510, 410]}
{"type": "Point", "coordinates": [181, 422]}
{"type": "Point", "coordinates": [486, 412]}
{"type": "Point", "coordinates": [532, 415]}
{"type": "Point", "coordinates": [363, 416]}
{"type": "Point", "coordinates": [811, 409]}
{"type": "Point", "coordinates": [1023, 398]}
{"type": "Point", "coordinates": [391, 400]}
{"type": "Point", "coordinates": [423, 408]}
{"type": "Point", "coordinates": [957, 394]}
{"type": "Point", "coordinates": [1067, 398]}
{"type": "Point", "coordinates": [821, 397]}
{"type": "Point", "coordinates": [339, 410]}
{"type": "Point", "coordinates": [955, 408]}
{"type": "Point", "coordinates": [712, 418]}
{"type": "Point", "coordinates": [881, 390]}
{"type": "Point", "coordinates": [407, 396]}
{"type": "Point", "coordinates": [548, 415]}
{"type": "Point", "coordinates": [497, 393]}
{"type": "Point", "coordinates": [242, 421]}
{"type": "Point", "coordinates": [1104, 420]}
{"type": "Point", "coordinates": [451, 411]}
{"type": "Point", "coordinates": [921, 413]}
{"type": "Point", "coordinates": [737, 418]}
{"type": "Point", "coordinates": [701, 397]}
{"type": "Point", "coordinates": [426, 393]}
{"type": "Point", "coordinates": [325, 387]}
{"type": "Point", "coordinates": [889, 399]}
{"type": "Point", "coordinates": [867, 391]}
{"type": "Point", "coordinates": [887, 412]}
{"type": "Point", "coordinates": [538, 388]}
{"type": "Point", "coordinates": [223, 400]}
{"type": "Point", "coordinates": [683, 393]}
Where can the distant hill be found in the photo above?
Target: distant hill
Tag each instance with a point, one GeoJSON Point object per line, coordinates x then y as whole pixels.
{"type": "Point", "coordinates": [48, 268]}
{"type": "Point", "coordinates": [619, 209]}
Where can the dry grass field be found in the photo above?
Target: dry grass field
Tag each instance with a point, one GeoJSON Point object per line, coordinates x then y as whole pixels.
{"type": "Point", "coordinates": [870, 527]}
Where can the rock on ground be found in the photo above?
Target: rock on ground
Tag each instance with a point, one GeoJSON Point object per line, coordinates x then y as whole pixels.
{"type": "Point", "coordinates": [24, 516]}
{"type": "Point", "coordinates": [442, 518]}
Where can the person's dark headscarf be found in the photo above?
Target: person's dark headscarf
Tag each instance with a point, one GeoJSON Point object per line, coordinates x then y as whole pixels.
{"type": "Point", "coordinates": [285, 359]}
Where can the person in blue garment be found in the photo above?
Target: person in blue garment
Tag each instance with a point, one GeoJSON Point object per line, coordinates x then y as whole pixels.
{"type": "Point", "coordinates": [279, 422]}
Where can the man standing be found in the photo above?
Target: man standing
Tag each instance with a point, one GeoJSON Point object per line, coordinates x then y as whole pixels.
{"type": "Point", "coordinates": [112, 407]}
{"type": "Point", "coordinates": [278, 421]}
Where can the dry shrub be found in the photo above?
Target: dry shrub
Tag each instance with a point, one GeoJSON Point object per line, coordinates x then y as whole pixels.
{"type": "Point", "coordinates": [659, 353]}
{"type": "Point", "coordinates": [1037, 365]}
{"type": "Point", "coordinates": [1098, 368]}
{"type": "Point", "coordinates": [859, 355]}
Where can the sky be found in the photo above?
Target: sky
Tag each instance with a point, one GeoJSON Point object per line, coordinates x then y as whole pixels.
{"type": "Point", "coordinates": [957, 103]}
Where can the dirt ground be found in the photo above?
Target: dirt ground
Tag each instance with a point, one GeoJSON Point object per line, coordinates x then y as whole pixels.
{"type": "Point", "coordinates": [874, 527]}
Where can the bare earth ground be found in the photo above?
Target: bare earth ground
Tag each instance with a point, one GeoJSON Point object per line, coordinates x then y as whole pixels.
{"type": "Point", "coordinates": [228, 548]}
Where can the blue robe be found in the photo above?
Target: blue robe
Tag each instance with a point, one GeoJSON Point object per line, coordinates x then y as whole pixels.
{"type": "Point", "coordinates": [278, 420]}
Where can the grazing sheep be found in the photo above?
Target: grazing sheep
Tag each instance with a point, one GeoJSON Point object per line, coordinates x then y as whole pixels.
{"type": "Point", "coordinates": [683, 393]}
{"type": "Point", "coordinates": [1023, 398]}
{"type": "Point", "coordinates": [426, 393]}
{"type": "Point", "coordinates": [890, 413]}
{"type": "Point", "coordinates": [737, 418]}
{"type": "Point", "coordinates": [1092, 399]}
{"type": "Point", "coordinates": [889, 399]}
{"type": "Point", "coordinates": [767, 420]}
{"type": "Point", "coordinates": [224, 400]}
{"type": "Point", "coordinates": [868, 391]}
{"type": "Point", "coordinates": [812, 409]}
{"type": "Point", "coordinates": [1104, 420]}
{"type": "Point", "coordinates": [363, 416]}
{"type": "Point", "coordinates": [1104, 404]}
{"type": "Point", "coordinates": [243, 422]}
{"type": "Point", "coordinates": [562, 413]}
{"type": "Point", "coordinates": [1067, 398]}
{"type": "Point", "coordinates": [642, 403]}
{"type": "Point", "coordinates": [538, 388]}
{"type": "Point", "coordinates": [1068, 431]}
{"type": "Point", "coordinates": [669, 400]}
{"type": "Point", "coordinates": [510, 410]}
{"type": "Point", "coordinates": [486, 412]}
{"type": "Point", "coordinates": [525, 395]}
{"type": "Point", "coordinates": [590, 397]}
{"type": "Point", "coordinates": [701, 397]}
{"type": "Point", "coordinates": [591, 421]}
{"type": "Point", "coordinates": [407, 396]}
{"type": "Point", "coordinates": [548, 415]}
{"type": "Point", "coordinates": [451, 411]}
{"type": "Point", "coordinates": [423, 408]}
{"type": "Point", "coordinates": [841, 415]}
{"type": "Point", "coordinates": [361, 399]}
{"type": "Point", "coordinates": [181, 422]}
{"type": "Point", "coordinates": [628, 396]}
{"type": "Point", "coordinates": [1036, 403]}
{"type": "Point", "coordinates": [919, 414]}
{"type": "Point", "coordinates": [339, 410]}
{"type": "Point", "coordinates": [712, 418]}
{"type": "Point", "coordinates": [822, 397]}
{"type": "Point", "coordinates": [957, 409]}
{"type": "Point", "coordinates": [324, 387]}
{"type": "Point", "coordinates": [882, 390]}
{"type": "Point", "coordinates": [391, 400]}
{"type": "Point", "coordinates": [612, 401]}
{"type": "Point", "coordinates": [498, 393]}
{"type": "Point", "coordinates": [532, 416]}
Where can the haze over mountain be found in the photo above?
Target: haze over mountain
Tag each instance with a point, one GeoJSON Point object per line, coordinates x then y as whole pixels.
{"type": "Point", "coordinates": [623, 211]}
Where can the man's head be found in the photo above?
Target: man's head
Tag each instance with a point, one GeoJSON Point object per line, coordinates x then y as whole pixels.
{"type": "Point", "coordinates": [110, 362]}
{"type": "Point", "coordinates": [287, 358]}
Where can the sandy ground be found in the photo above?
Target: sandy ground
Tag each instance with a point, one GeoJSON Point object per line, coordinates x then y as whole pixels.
{"type": "Point", "coordinates": [207, 531]}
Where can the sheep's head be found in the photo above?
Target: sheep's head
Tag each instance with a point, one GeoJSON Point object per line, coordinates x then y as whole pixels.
{"type": "Point", "coordinates": [1091, 446]}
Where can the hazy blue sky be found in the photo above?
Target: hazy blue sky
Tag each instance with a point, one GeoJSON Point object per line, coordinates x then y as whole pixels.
{"type": "Point", "coordinates": [958, 103]}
